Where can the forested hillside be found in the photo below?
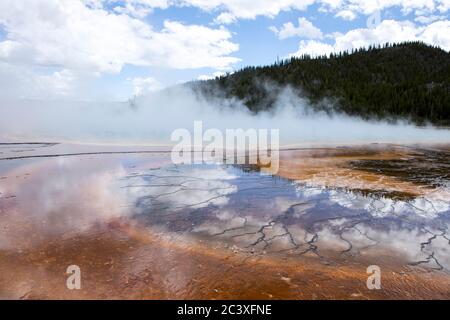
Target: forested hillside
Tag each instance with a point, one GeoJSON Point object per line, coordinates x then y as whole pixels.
{"type": "Point", "coordinates": [408, 80]}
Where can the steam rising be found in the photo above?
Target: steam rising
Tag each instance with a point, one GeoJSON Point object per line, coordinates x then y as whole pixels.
{"type": "Point", "coordinates": [152, 118]}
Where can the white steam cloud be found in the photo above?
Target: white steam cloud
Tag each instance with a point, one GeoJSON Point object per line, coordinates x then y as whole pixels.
{"type": "Point", "coordinates": [152, 118]}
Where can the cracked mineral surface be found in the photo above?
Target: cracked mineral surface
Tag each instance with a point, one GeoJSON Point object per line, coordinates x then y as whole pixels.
{"type": "Point", "coordinates": [140, 227]}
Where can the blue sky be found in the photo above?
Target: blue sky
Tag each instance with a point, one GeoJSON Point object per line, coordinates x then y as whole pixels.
{"type": "Point", "coordinates": [112, 50]}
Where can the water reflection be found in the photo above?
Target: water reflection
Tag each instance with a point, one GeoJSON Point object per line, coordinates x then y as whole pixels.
{"type": "Point", "coordinates": [260, 213]}
{"type": "Point", "coordinates": [229, 209]}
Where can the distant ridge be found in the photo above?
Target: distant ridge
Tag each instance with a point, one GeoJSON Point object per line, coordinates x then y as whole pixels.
{"type": "Point", "coordinates": [409, 80]}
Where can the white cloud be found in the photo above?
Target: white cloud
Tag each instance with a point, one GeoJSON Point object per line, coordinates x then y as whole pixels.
{"type": "Point", "coordinates": [83, 37]}
{"type": "Point", "coordinates": [192, 46]}
{"type": "Point", "coordinates": [443, 5]}
{"type": "Point", "coordinates": [369, 7]}
{"type": "Point", "coordinates": [313, 48]}
{"type": "Point", "coordinates": [387, 31]}
{"type": "Point", "coordinates": [305, 29]}
{"type": "Point", "coordinates": [429, 19]}
{"type": "Point", "coordinates": [138, 8]}
{"type": "Point", "coordinates": [23, 82]}
{"type": "Point", "coordinates": [212, 76]}
{"type": "Point", "coordinates": [96, 4]}
{"type": "Point", "coordinates": [332, 4]}
{"type": "Point", "coordinates": [129, 6]}
{"type": "Point", "coordinates": [346, 15]}
{"type": "Point", "coordinates": [231, 10]}
{"type": "Point", "coordinates": [437, 33]}
{"type": "Point", "coordinates": [142, 85]}
{"type": "Point", "coordinates": [69, 34]}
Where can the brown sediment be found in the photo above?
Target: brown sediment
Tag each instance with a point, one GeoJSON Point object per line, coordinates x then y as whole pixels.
{"type": "Point", "coordinates": [352, 169]}
{"type": "Point", "coordinates": [124, 261]}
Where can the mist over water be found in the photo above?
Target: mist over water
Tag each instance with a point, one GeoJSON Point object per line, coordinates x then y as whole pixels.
{"type": "Point", "coordinates": [150, 119]}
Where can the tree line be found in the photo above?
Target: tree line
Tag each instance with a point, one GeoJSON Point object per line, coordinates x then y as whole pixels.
{"type": "Point", "coordinates": [409, 80]}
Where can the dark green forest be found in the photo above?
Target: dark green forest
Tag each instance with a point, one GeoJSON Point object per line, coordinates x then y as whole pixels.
{"type": "Point", "coordinates": [394, 81]}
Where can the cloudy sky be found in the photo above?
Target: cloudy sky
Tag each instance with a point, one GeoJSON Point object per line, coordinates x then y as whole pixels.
{"type": "Point", "coordinates": [114, 49]}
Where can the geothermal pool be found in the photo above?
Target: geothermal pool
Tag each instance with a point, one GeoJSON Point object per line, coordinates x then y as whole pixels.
{"type": "Point", "coordinates": [140, 227]}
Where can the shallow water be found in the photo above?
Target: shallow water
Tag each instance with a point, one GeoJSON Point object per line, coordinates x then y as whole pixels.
{"type": "Point", "coordinates": [140, 227]}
